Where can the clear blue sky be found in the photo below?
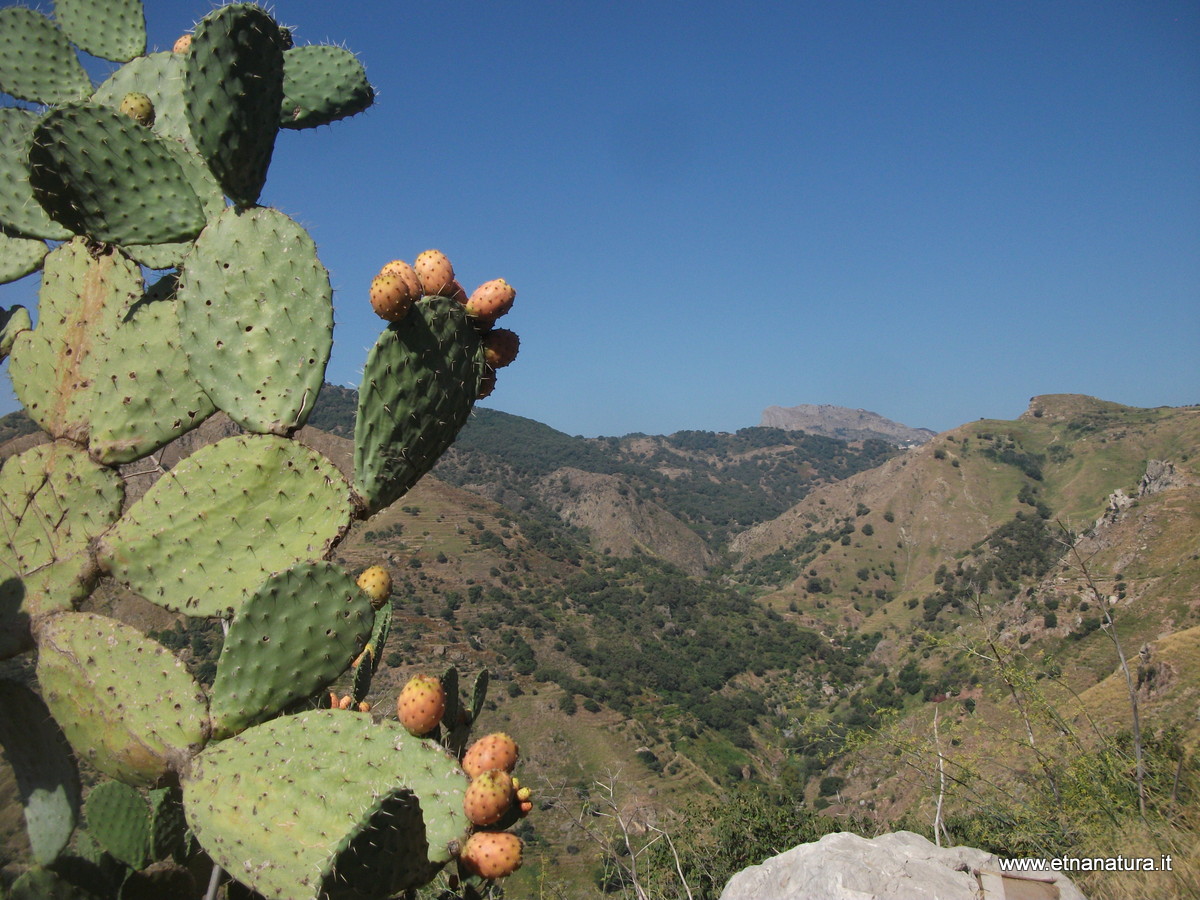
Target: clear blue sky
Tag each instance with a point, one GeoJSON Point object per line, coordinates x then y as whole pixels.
{"type": "Point", "coordinates": [932, 210]}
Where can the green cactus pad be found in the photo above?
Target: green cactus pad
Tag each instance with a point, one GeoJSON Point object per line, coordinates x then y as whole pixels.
{"type": "Point", "coordinates": [100, 173]}
{"type": "Point", "coordinates": [160, 77]}
{"type": "Point", "coordinates": [321, 84]}
{"type": "Point", "coordinates": [233, 90]}
{"type": "Point", "coordinates": [368, 663]}
{"type": "Point", "coordinates": [257, 318]}
{"type": "Point", "coordinates": [56, 501]}
{"type": "Point", "coordinates": [145, 395]}
{"type": "Point", "coordinates": [202, 540]}
{"type": "Point", "coordinates": [12, 322]}
{"type": "Point", "coordinates": [46, 776]}
{"type": "Point", "coordinates": [168, 827]}
{"type": "Point", "coordinates": [46, 884]}
{"type": "Point", "coordinates": [292, 637]}
{"type": "Point", "coordinates": [20, 213]}
{"type": "Point", "coordinates": [419, 384]}
{"type": "Point", "coordinates": [285, 806]}
{"type": "Point", "coordinates": [19, 256]}
{"type": "Point", "coordinates": [127, 704]}
{"type": "Point", "coordinates": [118, 817]}
{"type": "Point", "coordinates": [54, 367]}
{"type": "Point", "coordinates": [37, 62]}
{"type": "Point", "coordinates": [110, 29]}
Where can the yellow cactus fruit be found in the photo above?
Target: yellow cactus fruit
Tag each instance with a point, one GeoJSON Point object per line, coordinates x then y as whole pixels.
{"type": "Point", "coordinates": [376, 583]}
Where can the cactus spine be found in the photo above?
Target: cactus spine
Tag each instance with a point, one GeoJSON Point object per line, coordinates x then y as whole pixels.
{"type": "Point", "coordinates": [139, 172]}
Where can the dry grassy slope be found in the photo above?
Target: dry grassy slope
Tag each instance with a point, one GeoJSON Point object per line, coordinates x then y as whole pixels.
{"type": "Point", "coordinates": [1144, 566]}
{"type": "Point", "coordinates": [946, 496]}
{"type": "Point", "coordinates": [621, 522]}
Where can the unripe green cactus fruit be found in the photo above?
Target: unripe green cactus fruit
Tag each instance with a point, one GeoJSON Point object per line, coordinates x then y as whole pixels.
{"type": "Point", "coordinates": [139, 107]}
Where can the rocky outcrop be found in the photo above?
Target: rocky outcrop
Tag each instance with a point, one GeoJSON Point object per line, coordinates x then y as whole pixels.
{"type": "Point", "coordinates": [899, 866]}
{"type": "Point", "coordinates": [843, 423]}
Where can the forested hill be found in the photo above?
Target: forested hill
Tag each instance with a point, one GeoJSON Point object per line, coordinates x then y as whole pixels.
{"type": "Point", "coordinates": [713, 483]}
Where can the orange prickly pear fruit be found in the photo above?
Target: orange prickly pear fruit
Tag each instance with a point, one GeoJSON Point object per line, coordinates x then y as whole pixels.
{"type": "Point", "coordinates": [346, 702]}
{"type": "Point", "coordinates": [364, 706]}
{"type": "Point", "coordinates": [491, 300]}
{"type": "Point", "coordinates": [421, 704]}
{"type": "Point", "coordinates": [183, 44]}
{"type": "Point", "coordinates": [489, 796]}
{"type": "Point", "coordinates": [492, 854]}
{"type": "Point", "coordinates": [493, 751]}
{"type": "Point", "coordinates": [376, 583]}
{"type": "Point", "coordinates": [500, 347]}
{"type": "Point", "coordinates": [436, 274]}
{"type": "Point", "coordinates": [392, 295]}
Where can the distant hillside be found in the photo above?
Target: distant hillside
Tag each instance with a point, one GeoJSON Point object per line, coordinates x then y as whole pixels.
{"type": "Point", "coordinates": [844, 424]}
{"type": "Point", "coordinates": [705, 611]}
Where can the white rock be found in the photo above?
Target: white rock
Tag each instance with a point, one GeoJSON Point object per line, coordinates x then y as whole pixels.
{"type": "Point", "coordinates": [899, 866]}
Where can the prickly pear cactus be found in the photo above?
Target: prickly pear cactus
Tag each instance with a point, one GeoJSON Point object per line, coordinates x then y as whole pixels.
{"type": "Point", "coordinates": [259, 769]}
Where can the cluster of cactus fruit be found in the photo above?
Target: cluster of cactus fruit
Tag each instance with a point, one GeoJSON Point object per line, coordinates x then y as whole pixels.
{"type": "Point", "coordinates": [290, 790]}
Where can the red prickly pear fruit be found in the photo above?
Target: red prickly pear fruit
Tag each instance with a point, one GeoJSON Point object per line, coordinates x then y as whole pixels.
{"type": "Point", "coordinates": [492, 751]}
{"type": "Point", "coordinates": [489, 796]}
{"type": "Point", "coordinates": [500, 347]}
{"type": "Point", "coordinates": [491, 854]}
{"type": "Point", "coordinates": [376, 583]}
{"type": "Point", "coordinates": [436, 274]}
{"type": "Point", "coordinates": [183, 44]}
{"type": "Point", "coordinates": [421, 704]}
{"type": "Point", "coordinates": [526, 807]}
{"type": "Point", "coordinates": [392, 296]}
{"type": "Point", "coordinates": [139, 107]}
{"type": "Point", "coordinates": [491, 300]}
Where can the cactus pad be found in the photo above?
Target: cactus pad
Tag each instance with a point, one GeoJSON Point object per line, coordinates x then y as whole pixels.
{"type": "Point", "coordinates": [202, 540]}
{"type": "Point", "coordinates": [19, 256]}
{"type": "Point", "coordinates": [257, 318]}
{"type": "Point", "coordinates": [55, 501]}
{"type": "Point", "coordinates": [118, 817]}
{"type": "Point", "coordinates": [47, 780]}
{"type": "Point", "coordinates": [53, 367]}
{"type": "Point", "coordinates": [321, 84]}
{"type": "Point", "coordinates": [37, 62]}
{"type": "Point", "coordinates": [100, 173]}
{"type": "Point", "coordinates": [419, 385]}
{"type": "Point", "coordinates": [12, 322]}
{"type": "Point", "coordinates": [20, 213]}
{"type": "Point", "coordinates": [290, 807]}
{"type": "Point", "coordinates": [233, 90]}
{"type": "Point", "coordinates": [110, 29]}
{"type": "Point", "coordinates": [125, 702]}
{"type": "Point", "coordinates": [145, 394]}
{"type": "Point", "coordinates": [292, 637]}
{"type": "Point", "coordinates": [160, 77]}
